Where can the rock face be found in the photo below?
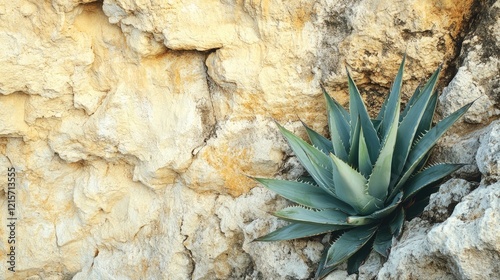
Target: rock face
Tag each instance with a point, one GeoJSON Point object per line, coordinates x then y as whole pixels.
{"type": "Point", "coordinates": [132, 126]}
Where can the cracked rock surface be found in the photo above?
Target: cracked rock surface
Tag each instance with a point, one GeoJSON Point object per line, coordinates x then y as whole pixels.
{"type": "Point", "coordinates": [133, 127]}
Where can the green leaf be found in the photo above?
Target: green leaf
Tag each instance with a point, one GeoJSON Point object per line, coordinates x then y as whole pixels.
{"type": "Point", "coordinates": [364, 162]}
{"type": "Point", "coordinates": [322, 270]}
{"type": "Point", "coordinates": [396, 224]}
{"type": "Point", "coordinates": [317, 164]}
{"type": "Point", "coordinates": [383, 241]}
{"type": "Point", "coordinates": [393, 103]}
{"type": "Point", "coordinates": [426, 177]}
{"type": "Point", "coordinates": [409, 125]}
{"type": "Point", "coordinates": [380, 115]}
{"type": "Point", "coordinates": [411, 102]}
{"type": "Point", "coordinates": [354, 151]}
{"type": "Point", "coordinates": [303, 215]}
{"type": "Point", "coordinates": [417, 207]}
{"type": "Point", "coordinates": [377, 215]}
{"type": "Point", "coordinates": [423, 146]}
{"type": "Point", "coordinates": [380, 177]}
{"type": "Point", "coordinates": [356, 260]}
{"type": "Point", "coordinates": [348, 244]}
{"type": "Point", "coordinates": [318, 140]}
{"type": "Point", "coordinates": [305, 194]}
{"type": "Point", "coordinates": [350, 187]}
{"type": "Point", "coordinates": [338, 122]}
{"type": "Point", "coordinates": [358, 108]}
{"type": "Point", "coordinates": [426, 121]}
{"type": "Point", "coordinates": [307, 179]}
{"type": "Point", "coordinates": [298, 230]}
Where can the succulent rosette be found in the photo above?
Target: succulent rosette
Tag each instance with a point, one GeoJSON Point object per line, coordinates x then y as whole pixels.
{"type": "Point", "coordinates": [368, 179]}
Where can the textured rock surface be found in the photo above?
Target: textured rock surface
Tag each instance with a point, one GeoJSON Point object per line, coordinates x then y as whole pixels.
{"type": "Point", "coordinates": [133, 126]}
{"type": "Point", "coordinates": [469, 240]}
{"type": "Point", "coordinates": [488, 154]}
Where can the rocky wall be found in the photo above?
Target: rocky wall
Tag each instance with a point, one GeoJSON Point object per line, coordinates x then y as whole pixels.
{"type": "Point", "coordinates": [133, 126]}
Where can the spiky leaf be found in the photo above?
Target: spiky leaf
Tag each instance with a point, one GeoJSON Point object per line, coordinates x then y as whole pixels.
{"type": "Point", "coordinates": [319, 140]}
{"type": "Point", "coordinates": [422, 147]}
{"type": "Point", "coordinates": [354, 151]}
{"type": "Point", "coordinates": [304, 215]}
{"type": "Point", "coordinates": [380, 177]}
{"type": "Point", "coordinates": [350, 187]}
{"type": "Point", "coordinates": [305, 194]}
{"type": "Point", "coordinates": [393, 103]}
{"type": "Point", "coordinates": [358, 108]}
{"type": "Point", "coordinates": [356, 260]}
{"type": "Point", "coordinates": [428, 176]}
{"type": "Point", "coordinates": [377, 215]}
{"type": "Point", "coordinates": [311, 158]}
{"type": "Point", "coordinates": [396, 224]}
{"type": "Point", "coordinates": [299, 230]}
{"type": "Point", "coordinates": [364, 163]}
{"type": "Point", "coordinates": [410, 103]}
{"type": "Point", "coordinates": [409, 125]}
{"type": "Point", "coordinates": [348, 244]}
{"type": "Point", "coordinates": [426, 121]}
{"type": "Point", "coordinates": [339, 126]}
{"type": "Point", "coordinates": [383, 241]}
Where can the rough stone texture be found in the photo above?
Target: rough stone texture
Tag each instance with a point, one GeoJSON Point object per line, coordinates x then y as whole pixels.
{"type": "Point", "coordinates": [133, 126]}
{"type": "Point", "coordinates": [443, 202]}
{"type": "Point", "coordinates": [411, 257]}
{"type": "Point", "coordinates": [488, 154]}
{"type": "Point", "coordinates": [469, 240]}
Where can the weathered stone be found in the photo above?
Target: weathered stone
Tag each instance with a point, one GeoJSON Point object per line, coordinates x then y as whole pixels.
{"type": "Point", "coordinates": [411, 256]}
{"type": "Point", "coordinates": [442, 203]}
{"type": "Point", "coordinates": [468, 241]}
{"type": "Point", "coordinates": [488, 154]}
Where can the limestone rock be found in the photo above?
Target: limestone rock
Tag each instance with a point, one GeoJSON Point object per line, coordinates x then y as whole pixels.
{"type": "Point", "coordinates": [488, 154]}
{"type": "Point", "coordinates": [411, 256]}
{"type": "Point", "coordinates": [443, 202]}
{"type": "Point", "coordinates": [469, 239]}
{"type": "Point", "coordinates": [478, 78]}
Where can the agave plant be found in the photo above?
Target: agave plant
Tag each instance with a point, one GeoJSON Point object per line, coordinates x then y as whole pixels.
{"type": "Point", "coordinates": [368, 179]}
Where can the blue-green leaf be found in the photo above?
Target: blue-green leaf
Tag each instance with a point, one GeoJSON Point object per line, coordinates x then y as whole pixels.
{"type": "Point", "coordinates": [396, 224]}
{"type": "Point", "coordinates": [377, 215]}
{"type": "Point", "coordinates": [393, 103]}
{"type": "Point", "coordinates": [354, 151]}
{"type": "Point", "coordinates": [348, 244]}
{"type": "Point", "coordinates": [304, 215]}
{"type": "Point", "coordinates": [416, 207]}
{"type": "Point", "coordinates": [317, 164]}
{"type": "Point", "coordinates": [409, 125]}
{"type": "Point", "coordinates": [358, 258]}
{"type": "Point", "coordinates": [358, 108]}
{"type": "Point", "coordinates": [423, 146]}
{"type": "Point", "coordinates": [319, 141]}
{"type": "Point", "coordinates": [411, 102]}
{"type": "Point", "coordinates": [306, 178]}
{"type": "Point", "coordinates": [426, 177]}
{"type": "Point", "coordinates": [305, 194]}
{"type": "Point", "coordinates": [426, 121]}
{"type": "Point", "coordinates": [383, 241]}
{"type": "Point", "coordinates": [338, 123]}
{"type": "Point", "coordinates": [298, 230]}
{"type": "Point", "coordinates": [364, 163]}
{"type": "Point", "coordinates": [350, 187]}
{"type": "Point", "coordinates": [380, 178]}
